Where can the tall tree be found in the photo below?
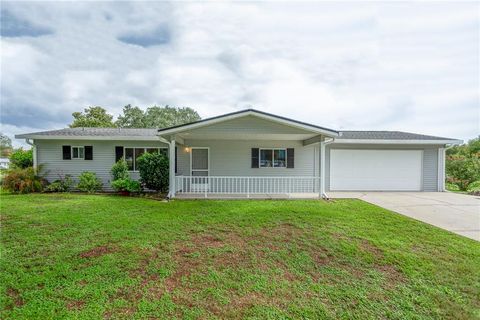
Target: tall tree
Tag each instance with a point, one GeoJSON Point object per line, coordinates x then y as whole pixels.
{"type": "Point", "coordinates": [5, 145]}
{"type": "Point", "coordinates": [133, 117]}
{"type": "Point", "coordinates": [155, 117]}
{"type": "Point", "coordinates": [92, 117]}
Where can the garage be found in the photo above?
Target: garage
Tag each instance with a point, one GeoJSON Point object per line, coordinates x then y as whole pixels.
{"type": "Point", "coordinates": [375, 170]}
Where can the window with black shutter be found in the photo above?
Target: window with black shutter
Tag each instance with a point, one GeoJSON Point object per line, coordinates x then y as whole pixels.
{"type": "Point", "coordinates": [118, 153]}
{"type": "Point", "coordinates": [255, 152]}
{"type": "Point", "coordinates": [291, 158]}
{"type": "Point", "coordinates": [67, 152]}
{"type": "Point", "coordinates": [88, 152]}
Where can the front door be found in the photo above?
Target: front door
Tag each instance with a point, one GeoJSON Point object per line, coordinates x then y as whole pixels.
{"type": "Point", "coordinates": [199, 165]}
{"type": "Point", "coordinates": [199, 162]}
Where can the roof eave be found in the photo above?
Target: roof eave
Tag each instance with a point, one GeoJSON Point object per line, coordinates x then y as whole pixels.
{"type": "Point", "coordinates": [97, 138]}
{"type": "Point", "coordinates": [398, 141]}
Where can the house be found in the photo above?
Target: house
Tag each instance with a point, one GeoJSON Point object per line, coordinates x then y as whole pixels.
{"type": "Point", "coordinates": [4, 163]}
{"type": "Point", "coordinates": [250, 153]}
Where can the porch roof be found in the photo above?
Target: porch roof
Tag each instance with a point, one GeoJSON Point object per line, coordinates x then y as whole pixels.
{"type": "Point", "coordinates": [248, 124]}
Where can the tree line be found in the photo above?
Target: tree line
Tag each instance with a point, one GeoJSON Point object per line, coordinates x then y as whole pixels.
{"type": "Point", "coordinates": [134, 117]}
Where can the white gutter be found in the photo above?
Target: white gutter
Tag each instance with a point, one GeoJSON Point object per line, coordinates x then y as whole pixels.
{"type": "Point", "coordinates": [323, 194]}
{"type": "Point", "coordinates": [119, 138]}
{"type": "Point", "coordinates": [397, 141]}
{"type": "Point", "coordinates": [34, 148]}
{"type": "Point", "coordinates": [442, 160]}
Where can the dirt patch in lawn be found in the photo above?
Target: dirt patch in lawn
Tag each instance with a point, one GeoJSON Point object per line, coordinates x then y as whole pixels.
{"type": "Point", "coordinates": [97, 252]}
{"type": "Point", "coordinates": [75, 305]}
{"type": "Point", "coordinates": [14, 294]}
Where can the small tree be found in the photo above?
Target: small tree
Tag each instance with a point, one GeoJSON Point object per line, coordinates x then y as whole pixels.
{"type": "Point", "coordinates": [21, 158]}
{"type": "Point", "coordinates": [153, 168]}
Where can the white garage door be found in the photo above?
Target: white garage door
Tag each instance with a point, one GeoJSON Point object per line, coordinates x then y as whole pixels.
{"type": "Point", "coordinates": [376, 170]}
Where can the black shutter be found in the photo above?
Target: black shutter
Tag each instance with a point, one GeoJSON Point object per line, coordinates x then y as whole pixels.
{"type": "Point", "coordinates": [290, 158]}
{"type": "Point", "coordinates": [176, 155]}
{"type": "Point", "coordinates": [88, 152]}
{"type": "Point", "coordinates": [255, 152]}
{"type": "Point", "coordinates": [67, 152]}
{"type": "Point", "coordinates": [118, 153]}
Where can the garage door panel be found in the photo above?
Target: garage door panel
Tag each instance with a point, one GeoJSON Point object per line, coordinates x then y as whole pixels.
{"type": "Point", "coordinates": [375, 170]}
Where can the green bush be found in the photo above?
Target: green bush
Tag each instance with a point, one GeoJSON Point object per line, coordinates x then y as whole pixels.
{"type": "Point", "coordinates": [21, 159]}
{"type": "Point", "coordinates": [462, 170]}
{"type": "Point", "coordinates": [451, 187]}
{"type": "Point", "coordinates": [153, 168]}
{"type": "Point", "coordinates": [18, 180]}
{"type": "Point", "coordinates": [64, 184]}
{"type": "Point", "coordinates": [126, 184]}
{"type": "Point", "coordinates": [89, 182]}
{"type": "Point", "coordinates": [120, 170]}
{"type": "Point", "coordinates": [474, 186]}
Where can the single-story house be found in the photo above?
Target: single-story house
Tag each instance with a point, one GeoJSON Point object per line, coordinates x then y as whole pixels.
{"type": "Point", "coordinates": [251, 152]}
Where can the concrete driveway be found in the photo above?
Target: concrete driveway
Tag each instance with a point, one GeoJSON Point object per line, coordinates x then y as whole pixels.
{"type": "Point", "coordinates": [454, 212]}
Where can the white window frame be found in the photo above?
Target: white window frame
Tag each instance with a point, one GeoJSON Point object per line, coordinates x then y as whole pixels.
{"type": "Point", "coordinates": [144, 150]}
{"type": "Point", "coordinates": [78, 147]}
{"type": "Point", "coordinates": [208, 162]}
{"type": "Point", "coordinates": [273, 158]}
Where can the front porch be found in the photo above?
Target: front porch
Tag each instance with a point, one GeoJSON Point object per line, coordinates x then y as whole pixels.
{"type": "Point", "coordinates": [247, 155]}
{"type": "Point", "coordinates": [231, 187]}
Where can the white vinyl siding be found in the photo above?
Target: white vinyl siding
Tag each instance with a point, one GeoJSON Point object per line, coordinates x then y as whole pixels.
{"type": "Point", "coordinates": [49, 153]}
{"type": "Point", "coordinates": [233, 158]}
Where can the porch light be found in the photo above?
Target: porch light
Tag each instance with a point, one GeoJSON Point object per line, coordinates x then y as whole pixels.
{"type": "Point", "coordinates": [187, 149]}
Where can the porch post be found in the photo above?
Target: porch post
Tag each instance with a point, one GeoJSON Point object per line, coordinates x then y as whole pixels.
{"type": "Point", "coordinates": [322, 169]}
{"type": "Point", "coordinates": [171, 174]}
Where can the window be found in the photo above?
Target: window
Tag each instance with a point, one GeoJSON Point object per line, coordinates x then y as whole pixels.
{"type": "Point", "coordinates": [132, 154]}
{"type": "Point", "coordinates": [78, 153]}
{"type": "Point", "coordinates": [273, 158]}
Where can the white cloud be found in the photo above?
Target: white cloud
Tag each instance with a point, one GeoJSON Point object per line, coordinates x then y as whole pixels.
{"type": "Point", "coordinates": [399, 66]}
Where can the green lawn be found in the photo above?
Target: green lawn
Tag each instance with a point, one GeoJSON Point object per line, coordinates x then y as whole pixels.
{"type": "Point", "coordinates": [88, 257]}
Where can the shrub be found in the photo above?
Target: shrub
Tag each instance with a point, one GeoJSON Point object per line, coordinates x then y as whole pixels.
{"type": "Point", "coordinates": [64, 184]}
{"type": "Point", "coordinates": [23, 181]}
{"type": "Point", "coordinates": [21, 158]}
{"type": "Point", "coordinates": [451, 187]}
{"type": "Point", "coordinates": [474, 186]}
{"type": "Point", "coordinates": [153, 168]}
{"type": "Point", "coordinates": [120, 170]}
{"type": "Point", "coordinates": [88, 182]}
{"type": "Point", "coordinates": [126, 184]}
{"type": "Point", "coordinates": [463, 170]}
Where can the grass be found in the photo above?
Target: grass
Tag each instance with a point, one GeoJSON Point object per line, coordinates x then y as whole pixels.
{"type": "Point", "coordinates": [88, 257]}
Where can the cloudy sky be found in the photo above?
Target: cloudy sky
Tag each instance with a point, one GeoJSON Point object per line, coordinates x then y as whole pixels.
{"type": "Point", "coordinates": [368, 66]}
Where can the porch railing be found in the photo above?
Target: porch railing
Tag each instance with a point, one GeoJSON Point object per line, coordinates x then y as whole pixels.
{"type": "Point", "coordinates": [246, 185]}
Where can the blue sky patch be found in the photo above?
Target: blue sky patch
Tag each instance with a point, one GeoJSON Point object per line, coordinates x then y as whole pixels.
{"type": "Point", "coordinates": [159, 36]}
{"type": "Point", "coordinates": [16, 27]}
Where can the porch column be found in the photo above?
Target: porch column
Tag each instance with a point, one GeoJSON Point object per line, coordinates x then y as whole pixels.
{"type": "Point", "coordinates": [171, 173]}
{"type": "Point", "coordinates": [441, 169]}
{"type": "Point", "coordinates": [322, 169]}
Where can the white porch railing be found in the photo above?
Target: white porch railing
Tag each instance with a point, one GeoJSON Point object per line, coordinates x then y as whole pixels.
{"type": "Point", "coordinates": [246, 185]}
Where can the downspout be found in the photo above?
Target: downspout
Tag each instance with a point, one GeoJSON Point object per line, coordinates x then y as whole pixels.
{"type": "Point", "coordinates": [444, 176]}
{"type": "Point", "coordinates": [323, 194]}
{"type": "Point", "coordinates": [34, 148]}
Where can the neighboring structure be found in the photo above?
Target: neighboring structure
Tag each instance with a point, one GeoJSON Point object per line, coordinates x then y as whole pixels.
{"type": "Point", "coordinates": [252, 152]}
{"type": "Point", "coordinates": [4, 163]}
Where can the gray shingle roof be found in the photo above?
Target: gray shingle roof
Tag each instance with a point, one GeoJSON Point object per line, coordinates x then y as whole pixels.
{"type": "Point", "coordinates": [152, 133]}
{"type": "Point", "coordinates": [96, 132]}
{"type": "Point", "coordinates": [386, 135]}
